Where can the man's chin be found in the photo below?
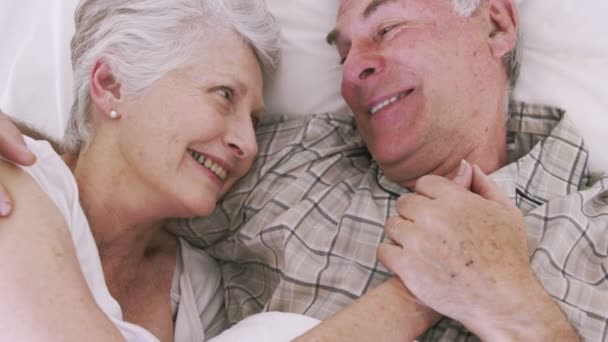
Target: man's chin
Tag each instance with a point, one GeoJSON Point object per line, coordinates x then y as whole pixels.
{"type": "Point", "coordinates": [400, 177]}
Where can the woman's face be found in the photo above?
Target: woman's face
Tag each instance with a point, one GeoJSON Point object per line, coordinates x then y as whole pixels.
{"type": "Point", "coordinates": [190, 135]}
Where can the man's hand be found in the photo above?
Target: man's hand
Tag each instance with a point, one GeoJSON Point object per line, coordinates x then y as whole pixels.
{"type": "Point", "coordinates": [13, 148]}
{"type": "Point", "coordinates": [464, 254]}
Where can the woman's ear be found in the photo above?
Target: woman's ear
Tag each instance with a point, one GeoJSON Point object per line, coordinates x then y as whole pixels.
{"type": "Point", "coordinates": [505, 25]}
{"type": "Point", "coordinates": [104, 88]}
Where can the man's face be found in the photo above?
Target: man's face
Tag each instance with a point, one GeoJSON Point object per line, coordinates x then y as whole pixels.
{"type": "Point", "coordinates": [421, 81]}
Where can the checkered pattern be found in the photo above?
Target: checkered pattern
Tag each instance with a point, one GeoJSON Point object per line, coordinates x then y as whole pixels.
{"type": "Point", "coordinates": [299, 233]}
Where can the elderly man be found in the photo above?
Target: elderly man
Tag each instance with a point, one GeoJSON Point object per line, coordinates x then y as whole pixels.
{"type": "Point", "coordinates": [428, 82]}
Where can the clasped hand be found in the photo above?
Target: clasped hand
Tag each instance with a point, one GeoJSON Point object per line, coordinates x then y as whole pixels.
{"type": "Point", "coordinates": [463, 252]}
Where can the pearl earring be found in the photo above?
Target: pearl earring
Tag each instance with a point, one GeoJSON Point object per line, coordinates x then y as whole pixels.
{"type": "Point", "coordinates": [114, 114]}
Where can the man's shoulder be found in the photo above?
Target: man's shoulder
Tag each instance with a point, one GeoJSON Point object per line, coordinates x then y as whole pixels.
{"type": "Point", "coordinates": [533, 118]}
{"type": "Point", "coordinates": [541, 120]}
{"type": "Point", "coordinates": [288, 143]}
{"type": "Point", "coordinates": [324, 128]}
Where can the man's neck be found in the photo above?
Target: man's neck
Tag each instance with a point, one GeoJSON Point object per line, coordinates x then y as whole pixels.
{"type": "Point", "coordinates": [489, 153]}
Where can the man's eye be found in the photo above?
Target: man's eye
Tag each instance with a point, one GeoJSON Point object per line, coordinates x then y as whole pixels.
{"type": "Point", "coordinates": [342, 60]}
{"type": "Point", "coordinates": [226, 93]}
{"type": "Point", "coordinates": [385, 30]}
{"type": "Point", "coordinates": [255, 121]}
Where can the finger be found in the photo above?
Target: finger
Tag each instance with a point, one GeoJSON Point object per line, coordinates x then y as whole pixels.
{"type": "Point", "coordinates": [486, 188]}
{"type": "Point", "coordinates": [12, 145]}
{"type": "Point", "coordinates": [413, 206]}
{"type": "Point", "coordinates": [464, 176]}
{"type": "Point", "coordinates": [393, 257]}
{"type": "Point", "coordinates": [405, 264]}
{"type": "Point", "coordinates": [436, 186]}
{"type": "Point", "coordinates": [6, 203]}
{"type": "Point", "coordinates": [397, 229]}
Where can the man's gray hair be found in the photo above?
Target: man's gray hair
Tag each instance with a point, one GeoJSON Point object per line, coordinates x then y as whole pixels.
{"type": "Point", "coordinates": [512, 60]}
{"type": "Point", "coordinates": [142, 40]}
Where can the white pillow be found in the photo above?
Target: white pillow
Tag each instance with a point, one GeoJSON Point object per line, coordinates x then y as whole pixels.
{"type": "Point", "coordinates": [309, 76]}
{"type": "Point", "coordinates": [565, 61]}
{"type": "Point", "coordinates": [35, 68]}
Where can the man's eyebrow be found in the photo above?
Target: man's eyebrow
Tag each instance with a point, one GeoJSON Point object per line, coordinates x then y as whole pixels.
{"type": "Point", "coordinates": [334, 35]}
{"type": "Point", "coordinates": [373, 6]}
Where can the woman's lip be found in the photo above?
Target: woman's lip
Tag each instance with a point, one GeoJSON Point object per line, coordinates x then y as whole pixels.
{"type": "Point", "coordinates": [210, 174]}
{"type": "Point", "coordinates": [221, 162]}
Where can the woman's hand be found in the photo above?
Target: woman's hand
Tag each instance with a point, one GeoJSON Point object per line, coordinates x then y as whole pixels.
{"type": "Point", "coordinates": [12, 148]}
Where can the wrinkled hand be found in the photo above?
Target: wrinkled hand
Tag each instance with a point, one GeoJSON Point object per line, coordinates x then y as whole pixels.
{"type": "Point", "coordinates": [463, 253]}
{"type": "Point", "coordinates": [13, 148]}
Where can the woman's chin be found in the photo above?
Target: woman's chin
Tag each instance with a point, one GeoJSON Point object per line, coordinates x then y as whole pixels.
{"type": "Point", "coordinates": [194, 208]}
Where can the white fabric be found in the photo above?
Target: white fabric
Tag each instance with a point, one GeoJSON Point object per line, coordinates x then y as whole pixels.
{"type": "Point", "coordinates": [57, 181]}
{"type": "Point", "coordinates": [309, 76]}
{"type": "Point", "coordinates": [197, 296]}
{"type": "Point", "coordinates": [35, 67]}
{"type": "Point", "coordinates": [565, 64]}
{"type": "Point", "coordinates": [268, 327]}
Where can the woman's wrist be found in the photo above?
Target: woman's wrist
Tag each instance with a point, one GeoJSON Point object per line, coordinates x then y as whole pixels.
{"type": "Point", "coordinates": [534, 316]}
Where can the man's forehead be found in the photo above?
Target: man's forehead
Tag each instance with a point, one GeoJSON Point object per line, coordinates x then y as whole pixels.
{"type": "Point", "coordinates": [344, 4]}
{"type": "Point", "coordinates": [365, 8]}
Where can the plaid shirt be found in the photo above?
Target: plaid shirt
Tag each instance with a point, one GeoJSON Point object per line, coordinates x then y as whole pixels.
{"type": "Point", "coordinates": [299, 232]}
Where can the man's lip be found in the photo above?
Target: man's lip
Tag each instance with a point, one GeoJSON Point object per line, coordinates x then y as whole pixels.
{"type": "Point", "coordinates": [378, 101]}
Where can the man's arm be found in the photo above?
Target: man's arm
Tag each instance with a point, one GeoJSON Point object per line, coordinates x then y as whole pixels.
{"type": "Point", "coordinates": [45, 296]}
{"type": "Point", "coordinates": [387, 313]}
{"type": "Point", "coordinates": [12, 146]}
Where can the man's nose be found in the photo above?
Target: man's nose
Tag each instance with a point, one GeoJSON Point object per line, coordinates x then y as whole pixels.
{"type": "Point", "coordinates": [361, 66]}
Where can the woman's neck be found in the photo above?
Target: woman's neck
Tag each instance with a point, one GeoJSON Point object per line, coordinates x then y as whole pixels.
{"type": "Point", "coordinates": [125, 223]}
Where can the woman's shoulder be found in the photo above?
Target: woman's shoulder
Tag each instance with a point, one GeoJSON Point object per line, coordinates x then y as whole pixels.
{"type": "Point", "coordinates": [53, 176]}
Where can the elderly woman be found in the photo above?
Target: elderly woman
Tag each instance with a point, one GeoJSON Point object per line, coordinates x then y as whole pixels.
{"type": "Point", "coordinates": [167, 94]}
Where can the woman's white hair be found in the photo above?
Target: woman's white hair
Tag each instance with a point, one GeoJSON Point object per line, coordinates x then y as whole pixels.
{"type": "Point", "coordinates": [142, 40]}
{"type": "Point", "coordinates": [512, 60]}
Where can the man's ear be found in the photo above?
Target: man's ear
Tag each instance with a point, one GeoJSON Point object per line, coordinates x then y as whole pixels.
{"type": "Point", "coordinates": [104, 88]}
{"type": "Point", "coordinates": [505, 25]}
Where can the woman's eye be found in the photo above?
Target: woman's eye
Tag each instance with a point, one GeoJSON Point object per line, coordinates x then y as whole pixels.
{"type": "Point", "coordinates": [255, 121]}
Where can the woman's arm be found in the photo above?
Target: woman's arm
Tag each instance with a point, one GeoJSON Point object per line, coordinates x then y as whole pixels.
{"type": "Point", "coordinates": [387, 313]}
{"type": "Point", "coordinates": [45, 296]}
